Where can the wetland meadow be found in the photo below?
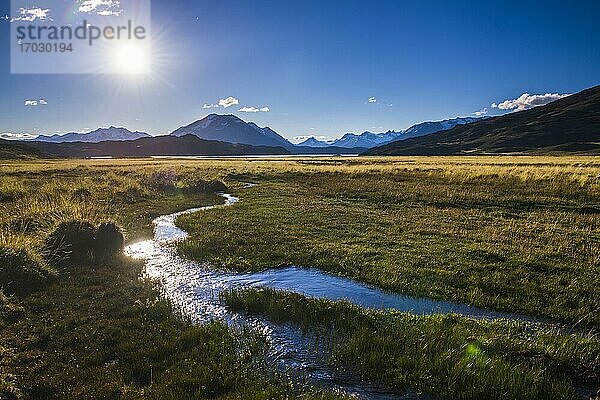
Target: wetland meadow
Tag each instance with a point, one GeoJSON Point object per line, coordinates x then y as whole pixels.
{"type": "Point", "coordinates": [218, 302]}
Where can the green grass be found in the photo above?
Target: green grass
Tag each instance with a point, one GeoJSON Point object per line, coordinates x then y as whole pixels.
{"type": "Point", "coordinates": [515, 239]}
{"type": "Point", "coordinates": [103, 333]}
{"type": "Point", "coordinates": [449, 355]}
{"type": "Point", "coordinates": [22, 272]}
{"type": "Point", "coordinates": [98, 331]}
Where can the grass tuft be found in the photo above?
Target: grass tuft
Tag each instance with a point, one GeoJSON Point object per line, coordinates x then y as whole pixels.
{"type": "Point", "coordinates": [21, 272]}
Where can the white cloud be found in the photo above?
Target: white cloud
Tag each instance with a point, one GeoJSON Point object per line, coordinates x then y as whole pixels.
{"type": "Point", "coordinates": [228, 102]}
{"type": "Point", "coordinates": [106, 13]}
{"type": "Point", "coordinates": [31, 14]}
{"type": "Point", "coordinates": [17, 136]}
{"type": "Point", "coordinates": [372, 100]}
{"type": "Point", "coordinates": [249, 109]}
{"type": "Point", "coordinates": [254, 109]}
{"type": "Point", "coordinates": [232, 101]}
{"type": "Point", "coordinates": [101, 7]}
{"type": "Point", "coordinates": [481, 112]}
{"type": "Point", "coordinates": [527, 101]}
{"type": "Point", "coordinates": [35, 103]}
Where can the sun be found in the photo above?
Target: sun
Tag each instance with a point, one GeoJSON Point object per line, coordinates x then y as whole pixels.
{"type": "Point", "coordinates": [130, 58]}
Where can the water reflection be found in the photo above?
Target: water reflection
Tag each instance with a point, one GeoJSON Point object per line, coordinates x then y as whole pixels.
{"type": "Point", "coordinates": [194, 289]}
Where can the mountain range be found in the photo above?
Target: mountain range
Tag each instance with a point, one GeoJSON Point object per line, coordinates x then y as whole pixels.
{"type": "Point", "coordinates": [231, 129]}
{"type": "Point", "coordinates": [188, 145]}
{"type": "Point", "coordinates": [568, 125]}
{"type": "Point", "coordinates": [369, 139]}
{"type": "Point", "coordinates": [99, 135]}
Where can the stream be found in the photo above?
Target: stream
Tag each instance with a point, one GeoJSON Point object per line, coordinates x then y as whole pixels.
{"type": "Point", "coordinates": [194, 288]}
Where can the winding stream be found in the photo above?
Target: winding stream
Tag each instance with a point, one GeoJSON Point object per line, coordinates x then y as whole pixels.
{"type": "Point", "coordinates": [194, 289]}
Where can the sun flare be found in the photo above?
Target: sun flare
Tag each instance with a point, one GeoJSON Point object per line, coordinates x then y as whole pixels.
{"type": "Point", "coordinates": [131, 59]}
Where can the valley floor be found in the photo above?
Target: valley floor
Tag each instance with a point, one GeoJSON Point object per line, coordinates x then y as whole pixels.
{"type": "Point", "coordinates": [519, 234]}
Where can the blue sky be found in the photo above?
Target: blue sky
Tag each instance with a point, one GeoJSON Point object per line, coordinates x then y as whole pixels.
{"type": "Point", "coordinates": [316, 64]}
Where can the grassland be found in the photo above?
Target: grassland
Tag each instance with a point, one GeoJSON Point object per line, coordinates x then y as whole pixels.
{"type": "Point", "coordinates": [99, 331]}
{"type": "Point", "coordinates": [451, 356]}
{"type": "Point", "coordinates": [515, 234]}
{"type": "Point", "coordinates": [518, 234]}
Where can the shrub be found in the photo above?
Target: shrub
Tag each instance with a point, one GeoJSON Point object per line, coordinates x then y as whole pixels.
{"type": "Point", "coordinates": [81, 243]}
{"type": "Point", "coordinates": [72, 243]}
{"type": "Point", "coordinates": [8, 310]}
{"type": "Point", "coordinates": [128, 195]}
{"type": "Point", "coordinates": [11, 191]}
{"type": "Point", "coordinates": [20, 272]}
{"type": "Point", "coordinates": [163, 181]}
{"type": "Point", "coordinates": [216, 186]}
{"type": "Point", "coordinates": [109, 242]}
{"type": "Point", "coordinates": [82, 194]}
{"type": "Point", "coordinates": [26, 224]}
{"type": "Point", "coordinates": [198, 186]}
{"type": "Point", "coordinates": [8, 388]}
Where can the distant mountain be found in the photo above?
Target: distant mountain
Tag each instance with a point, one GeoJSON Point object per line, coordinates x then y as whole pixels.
{"type": "Point", "coordinates": [99, 135]}
{"type": "Point", "coordinates": [369, 140]}
{"type": "Point", "coordinates": [229, 128]}
{"type": "Point", "coordinates": [568, 125]}
{"type": "Point", "coordinates": [427, 128]}
{"type": "Point", "coordinates": [366, 139]}
{"type": "Point", "coordinates": [187, 145]}
{"type": "Point", "coordinates": [313, 142]}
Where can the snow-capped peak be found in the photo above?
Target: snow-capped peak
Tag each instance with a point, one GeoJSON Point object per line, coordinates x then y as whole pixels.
{"type": "Point", "coordinates": [368, 139]}
{"type": "Point", "coordinates": [99, 135]}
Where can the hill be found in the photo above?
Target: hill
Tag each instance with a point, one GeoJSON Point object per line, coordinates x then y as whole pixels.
{"type": "Point", "coordinates": [10, 150]}
{"type": "Point", "coordinates": [188, 145]}
{"type": "Point", "coordinates": [568, 125]}
{"type": "Point", "coordinates": [328, 150]}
